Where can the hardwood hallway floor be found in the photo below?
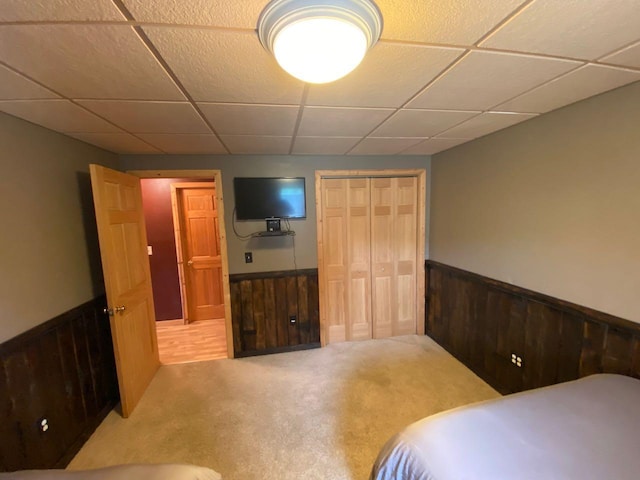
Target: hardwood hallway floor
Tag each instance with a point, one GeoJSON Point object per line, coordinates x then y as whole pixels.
{"type": "Point", "coordinates": [195, 342]}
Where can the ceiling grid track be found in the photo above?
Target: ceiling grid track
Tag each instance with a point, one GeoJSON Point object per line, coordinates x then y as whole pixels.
{"type": "Point", "coordinates": [401, 107]}
{"type": "Point", "coordinates": [303, 102]}
{"type": "Point", "coordinates": [152, 48]}
{"type": "Point", "coordinates": [74, 102]}
{"type": "Point", "coordinates": [422, 92]}
{"type": "Point", "coordinates": [445, 71]}
{"type": "Point", "coordinates": [504, 21]}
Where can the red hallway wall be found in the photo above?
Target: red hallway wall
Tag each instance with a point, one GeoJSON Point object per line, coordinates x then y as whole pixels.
{"type": "Point", "coordinates": [156, 201]}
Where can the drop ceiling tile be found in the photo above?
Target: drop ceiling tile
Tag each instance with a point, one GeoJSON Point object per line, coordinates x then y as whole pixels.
{"type": "Point", "coordinates": [570, 28]}
{"type": "Point", "coordinates": [460, 22]}
{"type": "Point", "coordinates": [256, 144]}
{"type": "Point", "coordinates": [14, 86]}
{"type": "Point", "coordinates": [434, 145]}
{"type": "Point", "coordinates": [484, 79]}
{"type": "Point", "coordinates": [149, 117]}
{"type": "Point", "coordinates": [219, 13]}
{"type": "Point", "coordinates": [59, 115]}
{"type": "Point", "coordinates": [340, 122]}
{"type": "Point", "coordinates": [183, 143]}
{"type": "Point", "coordinates": [576, 85]}
{"type": "Point", "coordinates": [383, 146]}
{"type": "Point", "coordinates": [115, 142]}
{"type": "Point", "coordinates": [58, 10]}
{"type": "Point", "coordinates": [236, 119]}
{"type": "Point", "coordinates": [389, 75]}
{"type": "Point", "coordinates": [87, 61]}
{"type": "Point", "coordinates": [225, 66]}
{"type": "Point", "coordinates": [627, 57]}
{"type": "Point", "coordinates": [420, 123]}
{"type": "Point", "coordinates": [484, 124]}
{"type": "Point", "coordinates": [323, 145]}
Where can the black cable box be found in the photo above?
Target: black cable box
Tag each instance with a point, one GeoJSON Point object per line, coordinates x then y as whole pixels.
{"type": "Point", "coordinates": [273, 224]}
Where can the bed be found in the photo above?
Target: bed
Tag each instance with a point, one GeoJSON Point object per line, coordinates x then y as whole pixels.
{"type": "Point", "coordinates": [585, 429]}
{"type": "Point", "coordinates": [120, 472]}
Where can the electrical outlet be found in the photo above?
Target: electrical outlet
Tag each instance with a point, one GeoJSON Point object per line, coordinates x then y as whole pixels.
{"type": "Point", "coordinates": [292, 319]}
{"type": "Point", "coordinates": [43, 425]}
{"type": "Point", "coordinates": [248, 257]}
{"type": "Point", "coordinates": [516, 360]}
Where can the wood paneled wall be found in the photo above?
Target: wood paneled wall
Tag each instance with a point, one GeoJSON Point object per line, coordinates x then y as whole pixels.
{"type": "Point", "coordinates": [62, 371]}
{"type": "Point", "coordinates": [262, 305]}
{"type": "Point", "coordinates": [483, 322]}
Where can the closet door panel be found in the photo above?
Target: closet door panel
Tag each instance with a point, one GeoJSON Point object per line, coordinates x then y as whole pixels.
{"type": "Point", "coordinates": [337, 309]}
{"type": "Point", "coordinates": [405, 248]}
{"type": "Point", "coordinates": [382, 257]}
{"type": "Point", "coordinates": [334, 238]}
{"type": "Point", "coordinates": [359, 247]}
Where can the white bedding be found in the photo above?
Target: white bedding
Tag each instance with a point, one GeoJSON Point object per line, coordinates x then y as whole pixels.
{"type": "Point", "coordinates": [120, 472]}
{"type": "Point", "coordinates": [585, 429]}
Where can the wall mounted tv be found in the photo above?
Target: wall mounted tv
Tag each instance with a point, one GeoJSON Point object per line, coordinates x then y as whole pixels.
{"type": "Point", "coordinates": [260, 198]}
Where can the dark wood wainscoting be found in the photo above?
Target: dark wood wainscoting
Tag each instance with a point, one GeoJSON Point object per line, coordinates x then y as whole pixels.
{"type": "Point", "coordinates": [62, 371]}
{"type": "Point", "coordinates": [484, 322]}
{"type": "Point", "coordinates": [275, 311]}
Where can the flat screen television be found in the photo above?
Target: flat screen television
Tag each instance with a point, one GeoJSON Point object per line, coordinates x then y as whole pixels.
{"type": "Point", "coordinates": [260, 198]}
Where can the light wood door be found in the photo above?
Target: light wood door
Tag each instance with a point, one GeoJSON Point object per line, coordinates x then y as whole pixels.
{"type": "Point", "coordinates": [123, 248]}
{"type": "Point", "coordinates": [201, 243]}
{"type": "Point", "coordinates": [384, 293]}
{"type": "Point", "coordinates": [347, 258]}
{"type": "Point", "coordinates": [405, 246]}
{"type": "Point", "coordinates": [369, 257]}
{"type": "Point", "coordinates": [394, 246]}
{"type": "Point", "coordinates": [359, 259]}
{"type": "Point", "coordinates": [335, 260]}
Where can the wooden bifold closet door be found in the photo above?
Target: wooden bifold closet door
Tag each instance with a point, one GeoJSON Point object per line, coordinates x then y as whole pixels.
{"type": "Point", "coordinates": [369, 256]}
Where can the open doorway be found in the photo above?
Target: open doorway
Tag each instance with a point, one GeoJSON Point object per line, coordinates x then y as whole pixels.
{"type": "Point", "coordinates": [187, 255]}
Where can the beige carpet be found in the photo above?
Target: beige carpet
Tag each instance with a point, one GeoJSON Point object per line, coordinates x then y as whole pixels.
{"type": "Point", "coordinates": [315, 414]}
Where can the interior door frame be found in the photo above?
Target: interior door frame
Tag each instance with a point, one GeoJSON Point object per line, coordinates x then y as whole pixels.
{"type": "Point", "coordinates": [216, 175]}
{"type": "Point", "coordinates": [421, 175]}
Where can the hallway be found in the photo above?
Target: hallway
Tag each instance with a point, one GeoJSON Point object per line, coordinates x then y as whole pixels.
{"type": "Point", "coordinates": [195, 342]}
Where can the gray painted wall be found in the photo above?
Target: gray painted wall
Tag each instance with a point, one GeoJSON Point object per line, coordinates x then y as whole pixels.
{"type": "Point", "coordinates": [48, 247]}
{"type": "Point", "coordinates": [552, 204]}
{"type": "Point", "coordinates": [273, 254]}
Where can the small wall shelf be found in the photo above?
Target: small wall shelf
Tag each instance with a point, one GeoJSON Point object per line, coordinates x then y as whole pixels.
{"type": "Point", "coordinates": [281, 233]}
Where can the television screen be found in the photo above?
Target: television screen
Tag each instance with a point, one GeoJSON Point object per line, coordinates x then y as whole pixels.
{"type": "Point", "coordinates": [260, 198]}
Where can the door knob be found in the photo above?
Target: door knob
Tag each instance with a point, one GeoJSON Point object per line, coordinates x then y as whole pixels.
{"type": "Point", "coordinates": [190, 262]}
{"type": "Point", "coordinates": [112, 311]}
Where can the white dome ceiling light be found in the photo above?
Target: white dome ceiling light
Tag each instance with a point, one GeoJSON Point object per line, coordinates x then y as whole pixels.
{"type": "Point", "coordinates": [319, 41]}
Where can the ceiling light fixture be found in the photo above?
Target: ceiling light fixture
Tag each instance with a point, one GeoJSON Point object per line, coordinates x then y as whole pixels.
{"type": "Point", "coordinates": [319, 41]}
